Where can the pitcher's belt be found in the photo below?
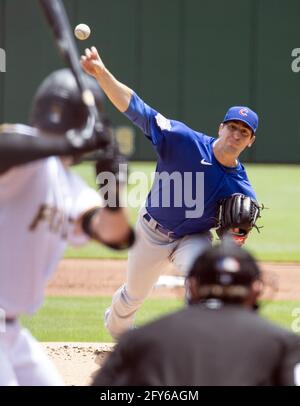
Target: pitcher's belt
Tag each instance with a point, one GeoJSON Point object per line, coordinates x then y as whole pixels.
{"type": "Point", "coordinates": [159, 227]}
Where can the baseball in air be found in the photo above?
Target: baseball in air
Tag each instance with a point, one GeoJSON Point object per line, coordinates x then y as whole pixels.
{"type": "Point", "coordinates": [82, 31]}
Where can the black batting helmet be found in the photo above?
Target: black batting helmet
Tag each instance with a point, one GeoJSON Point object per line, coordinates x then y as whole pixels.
{"type": "Point", "coordinates": [57, 105]}
{"type": "Point", "coordinates": [225, 271]}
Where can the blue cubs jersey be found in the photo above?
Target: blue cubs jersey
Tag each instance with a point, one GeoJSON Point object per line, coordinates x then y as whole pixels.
{"type": "Point", "coordinates": [189, 181]}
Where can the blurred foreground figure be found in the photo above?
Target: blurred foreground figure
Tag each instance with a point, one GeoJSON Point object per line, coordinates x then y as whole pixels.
{"type": "Point", "coordinates": [44, 206]}
{"type": "Point", "coordinates": [218, 339]}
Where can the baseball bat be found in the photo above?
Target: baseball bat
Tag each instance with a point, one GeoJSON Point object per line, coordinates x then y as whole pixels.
{"type": "Point", "coordinates": [58, 21]}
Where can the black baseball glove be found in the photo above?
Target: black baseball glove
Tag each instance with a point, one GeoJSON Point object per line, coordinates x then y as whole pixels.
{"type": "Point", "coordinates": [237, 215]}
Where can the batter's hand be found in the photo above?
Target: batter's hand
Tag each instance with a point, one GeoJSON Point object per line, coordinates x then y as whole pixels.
{"type": "Point", "coordinates": [112, 228]}
{"type": "Point", "coordinates": [92, 63]}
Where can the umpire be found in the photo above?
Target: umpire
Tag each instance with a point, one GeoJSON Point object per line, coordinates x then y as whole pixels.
{"type": "Point", "coordinates": [218, 339]}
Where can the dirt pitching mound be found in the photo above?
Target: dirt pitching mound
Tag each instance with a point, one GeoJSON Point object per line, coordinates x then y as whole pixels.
{"type": "Point", "coordinates": [78, 362]}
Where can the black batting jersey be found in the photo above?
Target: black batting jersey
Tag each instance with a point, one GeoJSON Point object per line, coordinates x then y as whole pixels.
{"type": "Point", "coordinates": [209, 344]}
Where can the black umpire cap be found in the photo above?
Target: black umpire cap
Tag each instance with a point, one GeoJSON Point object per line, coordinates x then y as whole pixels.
{"type": "Point", "coordinates": [225, 271]}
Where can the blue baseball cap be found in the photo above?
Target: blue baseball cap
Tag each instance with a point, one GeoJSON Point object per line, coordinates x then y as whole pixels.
{"type": "Point", "coordinates": [244, 114]}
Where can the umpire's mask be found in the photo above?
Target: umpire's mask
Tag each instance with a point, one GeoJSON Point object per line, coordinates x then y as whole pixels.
{"type": "Point", "coordinates": [57, 105]}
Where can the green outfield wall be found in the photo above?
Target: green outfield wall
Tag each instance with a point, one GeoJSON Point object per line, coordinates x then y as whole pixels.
{"type": "Point", "coordinates": [189, 59]}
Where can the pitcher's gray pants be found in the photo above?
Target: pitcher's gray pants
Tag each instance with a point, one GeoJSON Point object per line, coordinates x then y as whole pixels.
{"type": "Point", "coordinates": [147, 260]}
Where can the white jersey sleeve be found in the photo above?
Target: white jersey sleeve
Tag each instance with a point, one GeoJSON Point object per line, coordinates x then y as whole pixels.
{"type": "Point", "coordinates": [84, 199]}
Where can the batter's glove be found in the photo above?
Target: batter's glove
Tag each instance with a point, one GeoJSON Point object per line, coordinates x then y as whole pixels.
{"type": "Point", "coordinates": [237, 215]}
{"type": "Point", "coordinates": [112, 174]}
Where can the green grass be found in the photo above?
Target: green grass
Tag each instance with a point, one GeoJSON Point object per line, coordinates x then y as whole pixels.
{"type": "Point", "coordinates": [281, 312]}
{"type": "Point", "coordinates": [80, 319]}
{"type": "Point", "coordinates": [277, 187]}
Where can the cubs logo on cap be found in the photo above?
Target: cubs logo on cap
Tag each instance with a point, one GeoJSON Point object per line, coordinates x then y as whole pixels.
{"type": "Point", "coordinates": [242, 113]}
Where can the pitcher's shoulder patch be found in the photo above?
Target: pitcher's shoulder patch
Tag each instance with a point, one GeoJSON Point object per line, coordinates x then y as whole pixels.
{"type": "Point", "coordinates": [162, 122]}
